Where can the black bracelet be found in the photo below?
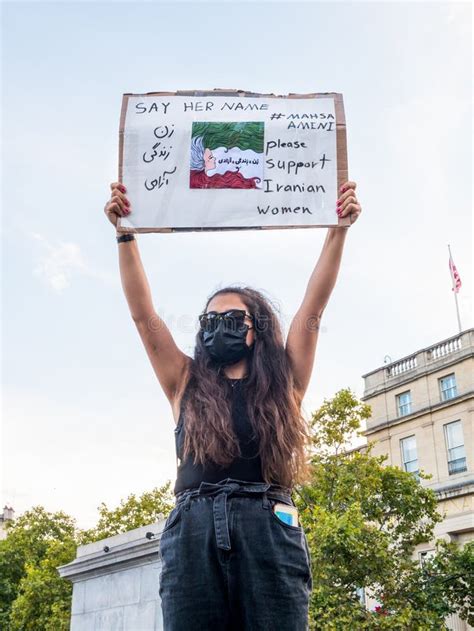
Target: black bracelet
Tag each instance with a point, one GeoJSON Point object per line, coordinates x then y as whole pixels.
{"type": "Point", "coordinates": [125, 237]}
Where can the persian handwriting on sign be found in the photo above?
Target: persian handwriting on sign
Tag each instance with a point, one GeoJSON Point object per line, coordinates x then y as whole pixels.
{"type": "Point", "coordinates": [237, 161]}
{"type": "Point", "coordinates": [160, 181]}
{"type": "Point", "coordinates": [163, 134]}
{"type": "Point", "coordinates": [161, 152]}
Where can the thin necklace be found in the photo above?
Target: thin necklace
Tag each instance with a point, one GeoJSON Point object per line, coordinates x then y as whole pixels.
{"type": "Point", "coordinates": [236, 380]}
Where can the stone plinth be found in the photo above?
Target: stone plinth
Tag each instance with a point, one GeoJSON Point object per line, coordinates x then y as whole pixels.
{"type": "Point", "coordinates": [116, 581]}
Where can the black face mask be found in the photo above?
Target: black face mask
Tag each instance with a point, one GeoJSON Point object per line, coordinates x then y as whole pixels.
{"type": "Point", "coordinates": [226, 346]}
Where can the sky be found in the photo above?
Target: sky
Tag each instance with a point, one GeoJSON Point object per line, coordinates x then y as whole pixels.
{"type": "Point", "coordinates": [84, 419]}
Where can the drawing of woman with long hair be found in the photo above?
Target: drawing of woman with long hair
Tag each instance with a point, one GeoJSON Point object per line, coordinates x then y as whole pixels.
{"type": "Point", "coordinates": [203, 161]}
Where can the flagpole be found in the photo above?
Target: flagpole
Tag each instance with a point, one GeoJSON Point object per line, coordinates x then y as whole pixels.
{"type": "Point", "coordinates": [455, 292]}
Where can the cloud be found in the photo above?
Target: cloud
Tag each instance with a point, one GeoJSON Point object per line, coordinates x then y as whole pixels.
{"type": "Point", "coordinates": [58, 264]}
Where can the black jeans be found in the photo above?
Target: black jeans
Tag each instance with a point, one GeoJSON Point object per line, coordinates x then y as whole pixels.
{"type": "Point", "coordinates": [229, 562]}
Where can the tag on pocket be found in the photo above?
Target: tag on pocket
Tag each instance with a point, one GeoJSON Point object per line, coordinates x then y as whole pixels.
{"type": "Point", "coordinates": [287, 514]}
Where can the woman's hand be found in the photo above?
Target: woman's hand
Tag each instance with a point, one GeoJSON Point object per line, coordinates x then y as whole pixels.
{"type": "Point", "coordinates": [347, 203]}
{"type": "Point", "coordinates": [118, 204]}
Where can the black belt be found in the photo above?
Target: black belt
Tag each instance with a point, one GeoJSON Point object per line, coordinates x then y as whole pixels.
{"type": "Point", "coordinates": [226, 487]}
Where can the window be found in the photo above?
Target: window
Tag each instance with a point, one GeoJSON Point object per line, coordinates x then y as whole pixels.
{"type": "Point", "coordinates": [447, 386]}
{"type": "Point", "coordinates": [404, 403]}
{"type": "Point", "coordinates": [360, 593]}
{"type": "Point", "coordinates": [455, 446]}
{"type": "Point", "coordinates": [409, 455]}
{"type": "Point", "coordinates": [424, 555]}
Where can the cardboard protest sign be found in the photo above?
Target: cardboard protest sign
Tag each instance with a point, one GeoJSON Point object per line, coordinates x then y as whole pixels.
{"type": "Point", "coordinates": [231, 160]}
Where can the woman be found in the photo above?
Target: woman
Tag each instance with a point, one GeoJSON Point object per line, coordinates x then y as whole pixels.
{"type": "Point", "coordinates": [233, 556]}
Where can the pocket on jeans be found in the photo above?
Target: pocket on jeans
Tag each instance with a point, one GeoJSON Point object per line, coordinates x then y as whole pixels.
{"type": "Point", "coordinates": [280, 521]}
{"type": "Point", "coordinates": [172, 518]}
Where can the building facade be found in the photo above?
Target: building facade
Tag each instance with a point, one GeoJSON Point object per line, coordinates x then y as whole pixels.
{"type": "Point", "coordinates": [422, 419]}
{"type": "Point", "coordinates": [6, 516]}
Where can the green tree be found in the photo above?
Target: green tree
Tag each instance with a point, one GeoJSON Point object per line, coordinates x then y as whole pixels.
{"type": "Point", "coordinates": [449, 578]}
{"type": "Point", "coordinates": [33, 596]}
{"type": "Point", "coordinates": [132, 513]}
{"type": "Point", "coordinates": [34, 542]}
{"type": "Point", "coordinates": [44, 598]}
{"type": "Point", "coordinates": [363, 520]}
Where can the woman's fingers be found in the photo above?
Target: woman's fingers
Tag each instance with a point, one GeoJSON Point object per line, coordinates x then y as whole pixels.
{"type": "Point", "coordinates": [347, 204]}
{"type": "Point", "coordinates": [117, 204]}
{"type": "Point", "coordinates": [118, 185]}
{"type": "Point", "coordinates": [351, 207]}
{"type": "Point", "coordinates": [119, 199]}
{"type": "Point", "coordinates": [346, 185]}
{"type": "Point", "coordinates": [120, 190]}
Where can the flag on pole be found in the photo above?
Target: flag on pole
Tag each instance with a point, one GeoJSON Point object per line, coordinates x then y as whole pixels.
{"type": "Point", "coordinates": [454, 275]}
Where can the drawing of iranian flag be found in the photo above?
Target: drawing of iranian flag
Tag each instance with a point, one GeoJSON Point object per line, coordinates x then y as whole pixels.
{"type": "Point", "coordinates": [227, 155]}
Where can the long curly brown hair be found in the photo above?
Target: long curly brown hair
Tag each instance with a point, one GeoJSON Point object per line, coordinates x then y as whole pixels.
{"type": "Point", "coordinates": [273, 403]}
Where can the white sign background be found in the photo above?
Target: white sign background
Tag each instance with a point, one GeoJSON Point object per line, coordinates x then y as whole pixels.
{"type": "Point", "coordinates": [309, 173]}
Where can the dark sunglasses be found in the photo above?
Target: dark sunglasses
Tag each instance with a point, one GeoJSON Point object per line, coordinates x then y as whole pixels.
{"type": "Point", "coordinates": [233, 319]}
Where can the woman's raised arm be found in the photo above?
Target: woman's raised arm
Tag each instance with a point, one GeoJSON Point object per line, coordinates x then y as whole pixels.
{"type": "Point", "coordinates": [304, 329]}
{"type": "Point", "coordinates": [169, 362]}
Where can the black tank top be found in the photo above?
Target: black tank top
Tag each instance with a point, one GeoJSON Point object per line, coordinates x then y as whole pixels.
{"type": "Point", "coordinates": [246, 467]}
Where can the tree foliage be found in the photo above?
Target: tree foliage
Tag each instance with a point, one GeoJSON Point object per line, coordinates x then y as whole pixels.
{"type": "Point", "coordinates": [33, 596]}
{"type": "Point", "coordinates": [363, 519]}
{"type": "Point", "coordinates": [132, 513]}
